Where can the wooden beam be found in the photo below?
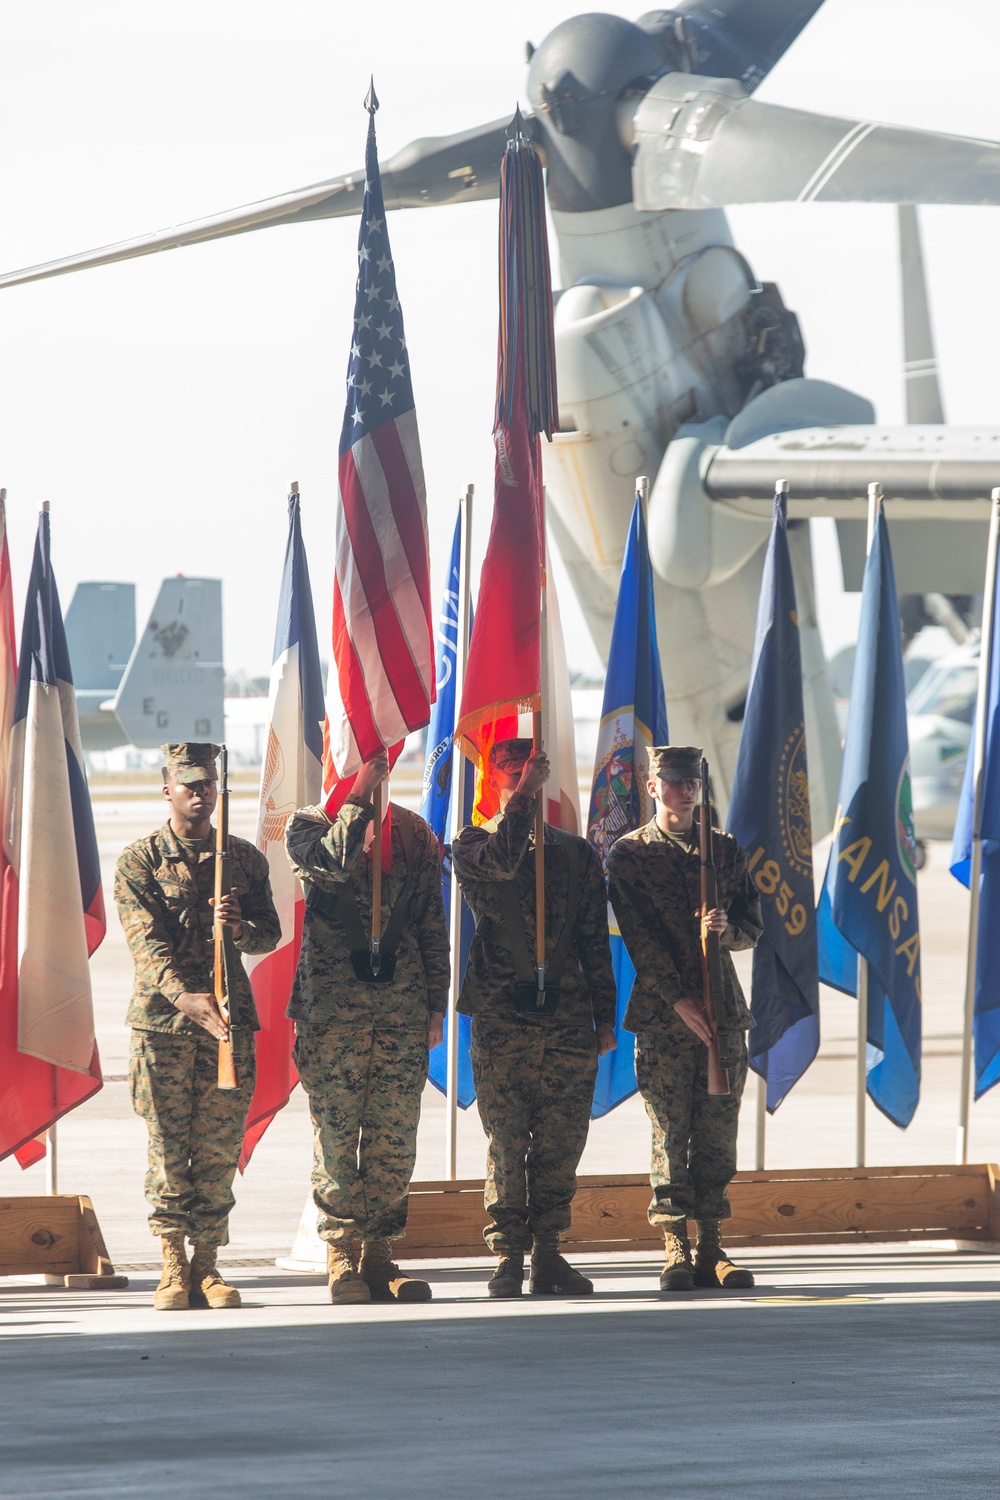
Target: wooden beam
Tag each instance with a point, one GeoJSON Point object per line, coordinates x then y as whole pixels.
{"type": "Point", "coordinates": [810, 1206]}
{"type": "Point", "coordinates": [58, 1237]}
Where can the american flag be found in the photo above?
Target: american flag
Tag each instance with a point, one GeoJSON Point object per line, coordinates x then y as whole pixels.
{"type": "Point", "coordinates": [382, 633]}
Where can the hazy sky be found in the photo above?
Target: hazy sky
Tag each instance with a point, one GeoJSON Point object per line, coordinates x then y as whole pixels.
{"type": "Point", "coordinates": [162, 405]}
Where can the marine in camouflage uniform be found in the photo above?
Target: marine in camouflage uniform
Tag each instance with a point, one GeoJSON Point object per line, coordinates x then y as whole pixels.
{"type": "Point", "coordinates": [164, 887]}
{"type": "Point", "coordinates": [361, 1048]}
{"type": "Point", "coordinates": [534, 1074]}
{"type": "Point", "coordinates": [654, 875]}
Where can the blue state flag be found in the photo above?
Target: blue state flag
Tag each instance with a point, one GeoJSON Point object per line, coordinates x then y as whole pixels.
{"type": "Point", "coordinates": [435, 808]}
{"type": "Point", "coordinates": [769, 816]}
{"type": "Point", "coordinates": [633, 718]}
{"type": "Point", "coordinates": [986, 1011]}
{"type": "Point", "coordinates": [869, 899]}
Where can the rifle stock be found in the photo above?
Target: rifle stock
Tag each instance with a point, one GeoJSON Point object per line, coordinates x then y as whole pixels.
{"type": "Point", "coordinates": [711, 950]}
{"type": "Point", "coordinates": [228, 1077]}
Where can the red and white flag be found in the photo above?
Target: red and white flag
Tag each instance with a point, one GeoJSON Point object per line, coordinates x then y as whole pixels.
{"type": "Point", "coordinates": [383, 642]}
{"type": "Point", "coordinates": [52, 882]}
{"type": "Point", "coordinates": [291, 777]}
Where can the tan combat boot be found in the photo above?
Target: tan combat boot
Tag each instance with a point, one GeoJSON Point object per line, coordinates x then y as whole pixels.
{"type": "Point", "coordinates": [508, 1278]}
{"type": "Point", "coordinates": [384, 1279]}
{"type": "Point", "coordinates": [553, 1276]}
{"type": "Point", "coordinates": [678, 1273]}
{"type": "Point", "coordinates": [712, 1266]}
{"type": "Point", "coordinates": [173, 1292]}
{"type": "Point", "coordinates": [207, 1287]}
{"type": "Point", "coordinates": [345, 1284]}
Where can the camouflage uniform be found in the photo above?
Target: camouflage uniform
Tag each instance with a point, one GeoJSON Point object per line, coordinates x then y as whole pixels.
{"type": "Point", "coordinates": [162, 889]}
{"type": "Point", "coordinates": [534, 1075]}
{"type": "Point", "coordinates": [655, 885]}
{"type": "Point", "coordinates": [360, 1048]}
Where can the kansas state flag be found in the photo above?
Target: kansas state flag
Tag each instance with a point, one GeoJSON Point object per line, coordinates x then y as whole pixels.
{"type": "Point", "coordinates": [769, 816]}
{"type": "Point", "coordinates": [435, 808]}
{"type": "Point", "coordinates": [869, 900]}
{"type": "Point", "coordinates": [986, 1013]}
{"type": "Point", "coordinates": [634, 717]}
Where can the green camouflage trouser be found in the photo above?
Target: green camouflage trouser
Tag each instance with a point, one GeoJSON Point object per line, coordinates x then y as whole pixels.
{"type": "Point", "coordinates": [534, 1089]}
{"type": "Point", "coordinates": [364, 1086]}
{"type": "Point", "coordinates": [694, 1136]}
{"type": "Point", "coordinates": [195, 1130]}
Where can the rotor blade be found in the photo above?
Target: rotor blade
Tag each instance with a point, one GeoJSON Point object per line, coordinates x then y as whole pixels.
{"type": "Point", "coordinates": [702, 143]}
{"type": "Point", "coordinates": [740, 39]}
{"type": "Point", "coordinates": [427, 173]}
{"type": "Point", "coordinates": [920, 370]}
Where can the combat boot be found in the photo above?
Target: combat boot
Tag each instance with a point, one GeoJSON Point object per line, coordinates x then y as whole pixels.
{"type": "Point", "coordinates": [383, 1278]}
{"type": "Point", "coordinates": [508, 1278]}
{"type": "Point", "coordinates": [553, 1276]}
{"type": "Point", "coordinates": [173, 1292]}
{"type": "Point", "coordinates": [712, 1266]}
{"type": "Point", "coordinates": [678, 1273]}
{"type": "Point", "coordinates": [342, 1272]}
{"type": "Point", "coordinates": [208, 1289]}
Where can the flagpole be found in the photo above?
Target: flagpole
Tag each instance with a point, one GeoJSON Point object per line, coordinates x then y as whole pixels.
{"type": "Point", "coordinates": [458, 820]}
{"type": "Point", "coordinates": [52, 1163]}
{"type": "Point", "coordinates": [986, 645]}
{"type": "Point", "coordinates": [874, 506]}
{"type": "Point", "coordinates": [538, 738]}
{"type": "Point", "coordinates": [376, 958]}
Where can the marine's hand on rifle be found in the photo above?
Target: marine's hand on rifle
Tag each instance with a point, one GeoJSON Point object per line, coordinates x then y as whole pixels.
{"type": "Point", "coordinates": [692, 1013]}
{"type": "Point", "coordinates": [228, 912]}
{"type": "Point", "coordinates": [435, 1029]}
{"type": "Point", "coordinates": [534, 774]}
{"type": "Point", "coordinates": [606, 1039]}
{"type": "Point", "coordinates": [715, 921]}
{"type": "Point", "coordinates": [372, 772]}
{"type": "Point", "coordinates": [203, 1010]}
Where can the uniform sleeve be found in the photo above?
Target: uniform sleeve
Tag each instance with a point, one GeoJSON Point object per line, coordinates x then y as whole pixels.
{"type": "Point", "coordinates": [481, 859]}
{"type": "Point", "coordinates": [745, 921]}
{"type": "Point", "coordinates": [594, 950]}
{"type": "Point", "coordinates": [142, 916]}
{"type": "Point", "coordinates": [640, 918]}
{"type": "Point", "coordinates": [326, 850]}
{"type": "Point", "coordinates": [261, 926]}
{"type": "Point", "coordinates": [427, 906]}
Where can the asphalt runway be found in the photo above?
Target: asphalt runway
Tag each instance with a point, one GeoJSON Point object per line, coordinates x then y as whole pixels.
{"type": "Point", "coordinates": [871, 1369]}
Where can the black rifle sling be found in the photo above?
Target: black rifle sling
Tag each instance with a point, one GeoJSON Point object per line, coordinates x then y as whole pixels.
{"type": "Point", "coordinates": [514, 929]}
{"type": "Point", "coordinates": [343, 903]}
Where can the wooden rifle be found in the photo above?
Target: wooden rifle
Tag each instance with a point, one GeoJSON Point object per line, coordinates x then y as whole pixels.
{"type": "Point", "coordinates": [225, 950]}
{"type": "Point", "coordinates": [711, 948]}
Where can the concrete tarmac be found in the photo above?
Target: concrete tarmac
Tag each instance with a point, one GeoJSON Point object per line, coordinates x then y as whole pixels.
{"type": "Point", "coordinates": [865, 1372]}
{"type": "Point", "coordinates": [868, 1370]}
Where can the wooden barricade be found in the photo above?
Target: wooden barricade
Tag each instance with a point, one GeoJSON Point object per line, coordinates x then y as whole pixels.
{"type": "Point", "coordinates": [58, 1237]}
{"type": "Point", "coordinates": [823, 1206]}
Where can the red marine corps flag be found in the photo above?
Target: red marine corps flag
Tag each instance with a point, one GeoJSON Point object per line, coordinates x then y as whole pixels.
{"type": "Point", "coordinates": [504, 673]}
{"type": "Point", "coordinates": [382, 633]}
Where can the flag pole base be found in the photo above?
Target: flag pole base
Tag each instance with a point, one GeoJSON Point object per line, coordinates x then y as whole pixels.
{"type": "Point", "coordinates": [56, 1237]}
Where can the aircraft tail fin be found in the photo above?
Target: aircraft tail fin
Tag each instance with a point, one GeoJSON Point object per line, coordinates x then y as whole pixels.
{"type": "Point", "coordinates": [100, 634]}
{"type": "Point", "coordinates": [172, 689]}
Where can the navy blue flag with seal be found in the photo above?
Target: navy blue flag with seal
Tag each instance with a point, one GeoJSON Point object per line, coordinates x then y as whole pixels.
{"type": "Point", "coordinates": [769, 815]}
{"type": "Point", "coordinates": [633, 718]}
{"type": "Point", "coordinates": [869, 899]}
{"type": "Point", "coordinates": [435, 808]}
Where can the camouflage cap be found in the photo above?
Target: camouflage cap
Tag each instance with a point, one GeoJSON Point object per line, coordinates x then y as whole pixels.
{"type": "Point", "coordinates": [508, 756]}
{"type": "Point", "coordinates": [675, 762]}
{"type": "Point", "coordinates": [189, 763]}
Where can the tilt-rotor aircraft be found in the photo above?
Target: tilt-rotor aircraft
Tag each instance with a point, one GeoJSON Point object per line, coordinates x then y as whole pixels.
{"type": "Point", "coordinates": [674, 361]}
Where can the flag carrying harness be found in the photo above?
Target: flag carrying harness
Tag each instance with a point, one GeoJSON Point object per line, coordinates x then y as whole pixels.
{"type": "Point", "coordinates": [343, 905]}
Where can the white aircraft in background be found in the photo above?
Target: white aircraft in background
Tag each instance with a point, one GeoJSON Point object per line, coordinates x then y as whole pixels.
{"type": "Point", "coordinates": [676, 362]}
